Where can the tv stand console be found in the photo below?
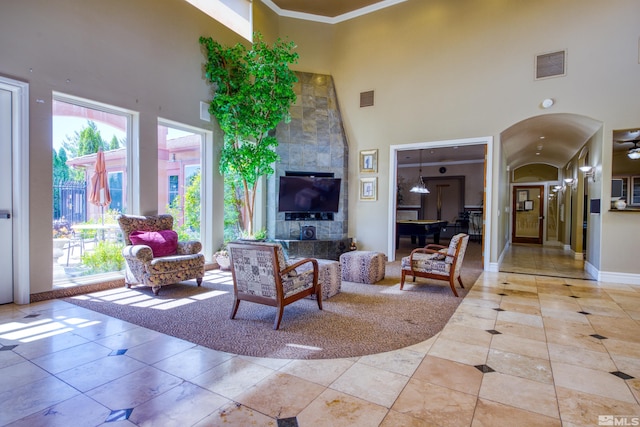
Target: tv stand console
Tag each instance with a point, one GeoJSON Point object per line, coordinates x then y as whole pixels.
{"type": "Point", "coordinates": [308, 216]}
{"type": "Point", "coordinates": [321, 249]}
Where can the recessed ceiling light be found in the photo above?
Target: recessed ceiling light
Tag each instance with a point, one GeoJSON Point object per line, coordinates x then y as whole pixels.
{"type": "Point", "coordinates": [542, 137]}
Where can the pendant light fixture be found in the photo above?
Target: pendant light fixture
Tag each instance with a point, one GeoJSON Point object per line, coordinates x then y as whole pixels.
{"type": "Point", "coordinates": [420, 187]}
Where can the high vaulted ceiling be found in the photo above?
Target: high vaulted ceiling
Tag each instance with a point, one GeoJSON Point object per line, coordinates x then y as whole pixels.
{"type": "Point", "coordinates": [550, 138]}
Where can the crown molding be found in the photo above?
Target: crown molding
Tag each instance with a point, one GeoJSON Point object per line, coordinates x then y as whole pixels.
{"type": "Point", "coordinates": [331, 20]}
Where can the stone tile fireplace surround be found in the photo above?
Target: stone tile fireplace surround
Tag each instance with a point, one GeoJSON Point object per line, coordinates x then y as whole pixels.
{"type": "Point", "coordinates": [314, 141]}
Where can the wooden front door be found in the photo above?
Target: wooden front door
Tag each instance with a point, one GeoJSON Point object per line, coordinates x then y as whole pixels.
{"type": "Point", "coordinates": [528, 214]}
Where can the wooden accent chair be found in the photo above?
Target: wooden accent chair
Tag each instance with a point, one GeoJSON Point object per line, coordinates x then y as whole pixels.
{"type": "Point", "coordinates": [261, 275]}
{"type": "Point", "coordinates": [437, 262]}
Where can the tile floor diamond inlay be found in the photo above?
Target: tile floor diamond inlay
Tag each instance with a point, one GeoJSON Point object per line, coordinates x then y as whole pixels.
{"type": "Point", "coordinates": [119, 415]}
{"type": "Point", "coordinates": [288, 422]}
{"type": "Point", "coordinates": [485, 369]}
{"type": "Point", "coordinates": [552, 367]}
{"type": "Point", "coordinates": [622, 375]}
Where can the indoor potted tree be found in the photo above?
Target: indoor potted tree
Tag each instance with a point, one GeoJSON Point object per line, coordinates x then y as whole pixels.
{"type": "Point", "coordinates": [252, 93]}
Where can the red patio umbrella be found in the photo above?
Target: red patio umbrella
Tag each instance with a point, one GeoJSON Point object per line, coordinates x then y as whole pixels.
{"type": "Point", "coordinates": [99, 194]}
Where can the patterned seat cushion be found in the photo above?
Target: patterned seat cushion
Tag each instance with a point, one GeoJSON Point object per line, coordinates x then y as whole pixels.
{"type": "Point", "coordinates": [427, 263]}
{"type": "Point", "coordinates": [363, 266]}
{"type": "Point", "coordinates": [435, 263]}
{"type": "Point", "coordinates": [254, 273]}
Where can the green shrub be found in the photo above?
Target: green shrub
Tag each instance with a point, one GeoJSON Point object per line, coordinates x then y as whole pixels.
{"type": "Point", "coordinates": [106, 257]}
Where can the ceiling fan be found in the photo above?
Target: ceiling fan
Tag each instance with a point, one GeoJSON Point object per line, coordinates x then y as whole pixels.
{"type": "Point", "coordinates": [634, 152]}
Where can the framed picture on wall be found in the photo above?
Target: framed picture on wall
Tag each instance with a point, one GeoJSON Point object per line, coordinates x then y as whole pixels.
{"type": "Point", "coordinates": [369, 161]}
{"type": "Point", "coordinates": [368, 189]}
{"type": "Point", "coordinates": [523, 195]}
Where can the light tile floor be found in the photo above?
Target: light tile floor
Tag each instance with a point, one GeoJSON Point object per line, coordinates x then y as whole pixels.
{"type": "Point", "coordinates": [521, 350]}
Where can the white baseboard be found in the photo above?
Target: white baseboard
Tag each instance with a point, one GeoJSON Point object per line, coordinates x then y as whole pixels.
{"type": "Point", "coordinates": [614, 277]}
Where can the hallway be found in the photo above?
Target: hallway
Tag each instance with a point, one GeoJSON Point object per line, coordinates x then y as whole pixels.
{"type": "Point", "coordinates": [521, 350]}
{"type": "Point", "coordinates": [543, 261]}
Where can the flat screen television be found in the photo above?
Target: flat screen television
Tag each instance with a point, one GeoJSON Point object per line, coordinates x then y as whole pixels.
{"type": "Point", "coordinates": [308, 194]}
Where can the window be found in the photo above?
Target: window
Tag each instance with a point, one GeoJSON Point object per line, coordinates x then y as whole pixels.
{"type": "Point", "coordinates": [190, 172]}
{"type": "Point", "coordinates": [179, 184]}
{"type": "Point", "coordinates": [85, 229]}
{"type": "Point", "coordinates": [116, 188]}
{"type": "Point", "coordinates": [236, 15]}
{"type": "Point", "coordinates": [173, 189]}
{"type": "Point", "coordinates": [635, 190]}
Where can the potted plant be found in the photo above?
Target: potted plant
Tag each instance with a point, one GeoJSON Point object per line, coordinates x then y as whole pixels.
{"type": "Point", "coordinates": [222, 258]}
{"type": "Point", "coordinates": [252, 93]}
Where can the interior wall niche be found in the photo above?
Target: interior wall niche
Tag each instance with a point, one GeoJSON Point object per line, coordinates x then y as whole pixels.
{"type": "Point", "coordinates": [314, 140]}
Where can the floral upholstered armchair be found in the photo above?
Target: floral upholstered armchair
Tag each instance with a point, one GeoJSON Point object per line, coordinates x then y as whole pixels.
{"type": "Point", "coordinates": [437, 262]}
{"type": "Point", "coordinates": [262, 275]}
{"type": "Point", "coordinates": [154, 255]}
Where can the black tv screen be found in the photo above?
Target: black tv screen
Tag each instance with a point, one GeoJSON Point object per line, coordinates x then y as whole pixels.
{"type": "Point", "coordinates": [308, 194]}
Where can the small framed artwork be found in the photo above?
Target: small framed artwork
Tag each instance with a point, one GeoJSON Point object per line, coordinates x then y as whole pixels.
{"type": "Point", "coordinates": [523, 195]}
{"type": "Point", "coordinates": [369, 161]}
{"type": "Point", "coordinates": [368, 189]}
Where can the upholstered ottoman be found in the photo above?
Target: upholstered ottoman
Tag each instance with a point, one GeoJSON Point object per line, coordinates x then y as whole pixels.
{"type": "Point", "coordinates": [362, 266]}
{"type": "Point", "coordinates": [328, 275]}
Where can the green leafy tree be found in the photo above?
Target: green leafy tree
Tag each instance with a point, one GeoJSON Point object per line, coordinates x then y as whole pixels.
{"type": "Point", "coordinates": [253, 91]}
{"type": "Point", "coordinates": [60, 167]}
{"type": "Point", "coordinates": [187, 216]}
{"type": "Point", "coordinates": [114, 144]}
{"type": "Point", "coordinates": [232, 209]}
{"type": "Point", "coordinates": [192, 205]}
{"type": "Point", "coordinates": [86, 141]}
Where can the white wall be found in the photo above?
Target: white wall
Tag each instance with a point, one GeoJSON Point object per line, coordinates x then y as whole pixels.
{"type": "Point", "coordinates": [444, 70]}
{"type": "Point", "coordinates": [143, 56]}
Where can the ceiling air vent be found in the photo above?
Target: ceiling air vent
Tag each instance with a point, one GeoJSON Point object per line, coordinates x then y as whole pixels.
{"type": "Point", "coordinates": [366, 99]}
{"type": "Point", "coordinates": [551, 64]}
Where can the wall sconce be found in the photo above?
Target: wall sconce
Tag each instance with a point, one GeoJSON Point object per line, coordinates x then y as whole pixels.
{"type": "Point", "coordinates": [570, 181]}
{"type": "Point", "coordinates": [589, 171]}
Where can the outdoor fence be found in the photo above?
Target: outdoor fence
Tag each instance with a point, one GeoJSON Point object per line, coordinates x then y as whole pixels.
{"type": "Point", "coordinates": [70, 201]}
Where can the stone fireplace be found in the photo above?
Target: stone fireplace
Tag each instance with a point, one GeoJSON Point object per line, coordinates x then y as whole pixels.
{"type": "Point", "coordinates": [314, 141]}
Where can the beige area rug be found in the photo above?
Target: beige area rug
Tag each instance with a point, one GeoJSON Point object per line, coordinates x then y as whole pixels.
{"type": "Point", "coordinates": [362, 319]}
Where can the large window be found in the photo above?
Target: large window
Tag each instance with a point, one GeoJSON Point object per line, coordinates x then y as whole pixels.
{"type": "Point", "coordinates": [90, 142]}
{"type": "Point", "coordinates": [179, 178]}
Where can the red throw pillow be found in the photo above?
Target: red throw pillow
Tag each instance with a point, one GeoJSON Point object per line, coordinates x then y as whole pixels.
{"type": "Point", "coordinates": [162, 243]}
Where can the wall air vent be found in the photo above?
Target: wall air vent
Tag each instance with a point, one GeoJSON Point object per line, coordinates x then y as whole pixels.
{"type": "Point", "coordinates": [551, 64]}
{"type": "Point", "coordinates": [366, 99]}
{"type": "Point", "coordinates": [204, 112]}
